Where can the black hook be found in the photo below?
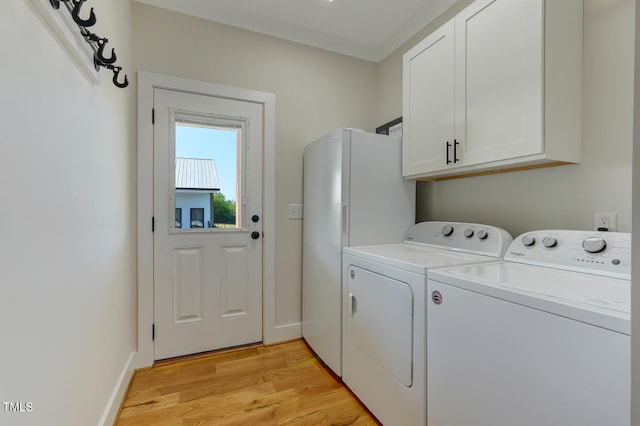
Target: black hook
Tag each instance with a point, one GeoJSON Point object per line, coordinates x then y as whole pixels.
{"type": "Point", "coordinates": [99, 55]}
{"type": "Point", "coordinates": [76, 15]}
{"type": "Point", "coordinates": [116, 71]}
{"type": "Point", "coordinates": [56, 3]}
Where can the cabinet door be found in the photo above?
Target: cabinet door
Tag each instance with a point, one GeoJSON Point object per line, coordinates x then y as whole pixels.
{"type": "Point", "coordinates": [499, 77]}
{"type": "Point", "coordinates": [428, 102]}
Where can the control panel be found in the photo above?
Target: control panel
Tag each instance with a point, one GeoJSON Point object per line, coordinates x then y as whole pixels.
{"type": "Point", "coordinates": [599, 253]}
{"type": "Point", "coordinates": [466, 237]}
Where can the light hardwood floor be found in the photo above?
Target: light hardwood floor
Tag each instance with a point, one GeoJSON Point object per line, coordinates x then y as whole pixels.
{"type": "Point", "coordinates": [282, 384]}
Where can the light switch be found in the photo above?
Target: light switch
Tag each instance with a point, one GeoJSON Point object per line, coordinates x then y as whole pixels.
{"type": "Point", "coordinates": [295, 211]}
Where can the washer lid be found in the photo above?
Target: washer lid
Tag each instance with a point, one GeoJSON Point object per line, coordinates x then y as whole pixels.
{"type": "Point", "coordinates": [414, 257]}
{"type": "Point", "coordinates": [601, 301]}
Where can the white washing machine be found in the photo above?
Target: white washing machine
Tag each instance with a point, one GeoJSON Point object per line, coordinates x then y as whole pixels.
{"type": "Point", "coordinates": [384, 330]}
{"type": "Point", "coordinates": [540, 338]}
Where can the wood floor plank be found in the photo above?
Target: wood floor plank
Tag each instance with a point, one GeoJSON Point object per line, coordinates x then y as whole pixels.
{"type": "Point", "coordinates": [283, 384]}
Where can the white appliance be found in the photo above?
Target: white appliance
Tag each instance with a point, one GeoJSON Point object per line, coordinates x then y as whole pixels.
{"type": "Point", "coordinates": [354, 193]}
{"type": "Point", "coordinates": [541, 338]}
{"type": "Point", "coordinates": [384, 330]}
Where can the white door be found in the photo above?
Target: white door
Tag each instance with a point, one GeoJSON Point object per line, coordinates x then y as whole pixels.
{"type": "Point", "coordinates": [499, 69]}
{"type": "Point", "coordinates": [428, 103]}
{"type": "Point", "coordinates": [207, 223]}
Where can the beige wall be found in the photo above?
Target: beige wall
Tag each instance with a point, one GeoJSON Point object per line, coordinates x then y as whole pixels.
{"type": "Point", "coordinates": [563, 197]}
{"type": "Point", "coordinates": [67, 251]}
{"type": "Point", "coordinates": [315, 90]}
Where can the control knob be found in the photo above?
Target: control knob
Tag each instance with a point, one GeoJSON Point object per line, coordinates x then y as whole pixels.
{"type": "Point", "coordinates": [447, 230]}
{"type": "Point", "coordinates": [483, 234]}
{"type": "Point", "coordinates": [528, 240]}
{"type": "Point", "coordinates": [594, 244]}
{"type": "Point", "coordinates": [549, 242]}
{"type": "Point", "coordinates": [468, 232]}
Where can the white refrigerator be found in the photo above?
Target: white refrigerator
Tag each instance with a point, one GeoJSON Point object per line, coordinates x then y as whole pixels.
{"type": "Point", "coordinates": [354, 194]}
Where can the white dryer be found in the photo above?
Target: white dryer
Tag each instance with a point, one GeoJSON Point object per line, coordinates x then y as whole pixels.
{"type": "Point", "coordinates": [540, 338]}
{"type": "Point", "coordinates": [384, 330]}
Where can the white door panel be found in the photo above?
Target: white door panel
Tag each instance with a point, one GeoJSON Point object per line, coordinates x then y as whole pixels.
{"type": "Point", "coordinates": [207, 274]}
{"type": "Point", "coordinates": [187, 284]}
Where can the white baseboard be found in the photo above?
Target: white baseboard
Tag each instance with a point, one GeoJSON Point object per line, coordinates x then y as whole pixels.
{"type": "Point", "coordinates": [283, 333]}
{"type": "Point", "coordinates": [111, 411]}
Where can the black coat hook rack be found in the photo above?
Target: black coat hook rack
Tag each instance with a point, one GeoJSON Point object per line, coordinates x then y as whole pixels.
{"type": "Point", "coordinates": [97, 43]}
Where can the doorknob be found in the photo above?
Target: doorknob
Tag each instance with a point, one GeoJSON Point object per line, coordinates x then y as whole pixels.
{"type": "Point", "coordinates": [255, 218]}
{"type": "Point", "coordinates": [255, 235]}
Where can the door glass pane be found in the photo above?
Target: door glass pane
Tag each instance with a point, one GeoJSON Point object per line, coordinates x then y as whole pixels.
{"type": "Point", "coordinates": [197, 217]}
{"type": "Point", "coordinates": [206, 175]}
{"type": "Point", "coordinates": [178, 217]}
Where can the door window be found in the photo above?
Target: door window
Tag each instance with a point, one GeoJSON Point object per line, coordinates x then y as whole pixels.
{"type": "Point", "coordinates": [207, 172]}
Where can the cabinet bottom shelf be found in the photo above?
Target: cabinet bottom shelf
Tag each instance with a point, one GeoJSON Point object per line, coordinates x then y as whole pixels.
{"type": "Point", "coordinates": [493, 171]}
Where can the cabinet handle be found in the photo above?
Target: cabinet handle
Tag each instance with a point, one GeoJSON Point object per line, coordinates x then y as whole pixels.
{"type": "Point", "coordinates": [455, 151]}
{"type": "Point", "coordinates": [448, 147]}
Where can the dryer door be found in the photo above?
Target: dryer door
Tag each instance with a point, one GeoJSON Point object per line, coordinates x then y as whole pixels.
{"type": "Point", "coordinates": [379, 321]}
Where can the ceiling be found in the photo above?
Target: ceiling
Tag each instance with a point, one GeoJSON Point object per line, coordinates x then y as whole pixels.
{"type": "Point", "coordinates": [365, 29]}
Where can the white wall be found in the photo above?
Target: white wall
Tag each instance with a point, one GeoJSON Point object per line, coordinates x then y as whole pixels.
{"type": "Point", "coordinates": [563, 197]}
{"type": "Point", "coordinates": [315, 90]}
{"type": "Point", "coordinates": [67, 245]}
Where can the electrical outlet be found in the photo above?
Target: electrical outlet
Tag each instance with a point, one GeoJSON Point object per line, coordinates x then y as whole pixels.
{"type": "Point", "coordinates": [605, 221]}
{"type": "Point", "coordinates": [295, 211]}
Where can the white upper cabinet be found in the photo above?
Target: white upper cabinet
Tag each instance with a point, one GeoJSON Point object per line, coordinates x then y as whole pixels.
{"type": "Point", "coordinates": [497, 87]}
{"type": "Point", "coordinates": [431, 105]}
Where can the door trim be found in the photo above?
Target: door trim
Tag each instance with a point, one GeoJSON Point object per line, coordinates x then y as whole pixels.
{"type": "Point", "coordinates": [147, 82]}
